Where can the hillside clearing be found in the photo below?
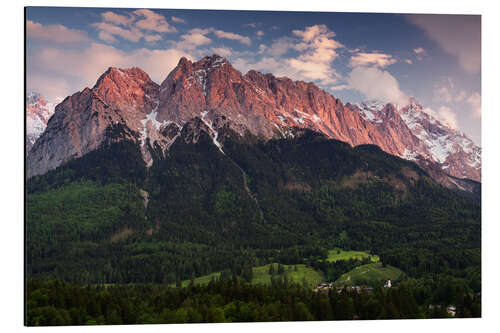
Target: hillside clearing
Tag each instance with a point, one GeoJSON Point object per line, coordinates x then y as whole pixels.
{"type": "Point", "coordinates": [369, 274]}
{"type": "Point", "coordinates": [339, 254]}
{"type": "Point", "coordinates": [261, 275]}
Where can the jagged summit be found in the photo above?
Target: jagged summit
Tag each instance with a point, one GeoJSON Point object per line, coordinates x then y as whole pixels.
{"type": "Point", "coordinates": [212, 90]}
{"type": "Point", "coordinates": [38, 113]}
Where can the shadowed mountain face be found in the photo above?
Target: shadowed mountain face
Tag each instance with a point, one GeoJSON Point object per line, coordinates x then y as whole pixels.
{"type": "Point", "coordinates": [87, 218]}
{"type": "Point", "coordinates": [221, 97]}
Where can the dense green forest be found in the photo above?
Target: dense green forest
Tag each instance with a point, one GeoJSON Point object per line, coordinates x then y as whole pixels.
{"type": "Point", "coordinates": [59, 303]}
{"type": "Point", "coordinates": [288, 201]}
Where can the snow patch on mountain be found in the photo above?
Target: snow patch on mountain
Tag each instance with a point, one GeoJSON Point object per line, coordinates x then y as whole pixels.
{"type": "Point", "coordinates": [38, 113]}
{"type": "Point", "coordinates": [370, 111]}
{"type": "Point", "coordinates": [452, 150]}
{"type": "Point", "coordinates": [215, 134]}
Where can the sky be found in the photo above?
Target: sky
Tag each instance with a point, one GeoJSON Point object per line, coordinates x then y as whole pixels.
{"type": "Point", "coordinates": [353, 56]}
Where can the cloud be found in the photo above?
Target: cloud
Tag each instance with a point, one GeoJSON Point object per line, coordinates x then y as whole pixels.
{"type": "Point", "coordinates": [260, 33]}
{"type": "Point", "coordinates": [197, 37]}
{"type": "Point", "coordinates": [222, 51]}
{"type": "Point", "coordinates": [152, 21]}
{"type": "Point", "coordinates": [262, 48]}
{"type": "Point", "coordinates": [177, 19]}
{"type": "Point", "coordinates": [194, 38]}
{"type": "Point", "coordinates": [253, 25]}
{"type": "Point", "coordinates": [408, 61]}
{"type": "Point", "coordinates": [420, 53]}
{"type": "Point", "coordinates": [106, 36]}
{"type": "Point", "coordinates": [114, 25]}
{"type": "Point", "coordinates": [279, 47]}
{"type": "Point", "coordinates": [340, 87]}
{"type": "Point", "coordinates": [114, 18]}
{"type": "Point", "coordinates": [315, 51]}
{"type": "Point", "coordinates": [54, 33]}
{"type": "Point", "coordinates": [444, 94]}
{"type": "Point", "coordinates": [376, 59]}
{"type": "Point", "coordinates": [419, 50]}
{"type": "Point", "coordinates": [50, 86]}
{"type": "Point", "coordinates": [461, 96]}
{"type": "Point", "coordinates": [108, 31]}
{"type": "Point", "coordinates": [445, 115]}
{"type": "Point", "coordinates": [152, 38]}
{"type": "Point", "coordinates": [445, 91]}
{"type": "Point", "coordinates": [312, 33]}
{"type": "Point", "coordinates": [458, 35]}
{"type": "Point", "coordinates": [318, 52]}
{"type": "Point", "coordinates": [65, 66]}
{"type": "Point", "coordinates": [475, 102]}
{"type": "Point", "coordinates": [378, 84]}
{"type": "Point", "coordinates": [233, 36]}
{"type": "Point", "coordinates": [448, 116]}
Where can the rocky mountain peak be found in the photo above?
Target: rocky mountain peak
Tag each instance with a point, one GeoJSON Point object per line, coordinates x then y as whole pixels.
{"type": "Point", "coordinates": [38, 113]}
{"type": "Point", "coordinates": [437, 142]}
{"type": "Point", "coordinates": [214, 92]}
{"type": "Point", "coordinates": [127, 89]}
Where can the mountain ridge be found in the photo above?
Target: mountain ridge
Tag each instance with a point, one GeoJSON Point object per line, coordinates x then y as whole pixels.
{"type": "Point", "coordinates": [212, 90]}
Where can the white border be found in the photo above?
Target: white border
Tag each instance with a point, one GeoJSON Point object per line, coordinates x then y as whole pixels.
{"type": "Point", "coordinates": [12, 141]}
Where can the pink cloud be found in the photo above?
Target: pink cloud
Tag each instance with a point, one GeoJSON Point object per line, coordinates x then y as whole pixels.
{"type": "Point", "coordinates": [114, 18]}
{"type": "Point", "coordinates": [375, 59]}
{"type": "Point", "coordinates": [222, 51]}
{"type": "Point", "coordinates": [177, 19]}
{"type": "Point", "coordinates": [152, 21]}
{"type": "Point", "coordinates": [107, 31]}
{"type": "Point", "coordinates": [475, 102]}
{"type": "Point", "coordinates": [233, 36]}
{"type": "Point", "coordinates": [55, 33]}
{"type": "Point", "coordinates": [419, 50]}
{"type": "Point", "coordinates": [194, 38]}
{"type": "Point", "coordinates": [316, 53]}
{"type": "Point", "coordinates": [152, 38]}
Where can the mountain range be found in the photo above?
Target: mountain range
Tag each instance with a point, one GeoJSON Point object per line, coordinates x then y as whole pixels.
{"type": "Point", "coordinates": [135, 182]}
{"type": "Point", "coordinates": [210, 95]}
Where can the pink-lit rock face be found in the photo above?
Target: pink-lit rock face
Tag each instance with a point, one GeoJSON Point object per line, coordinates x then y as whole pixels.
{"type": "Point", "coordinates": [218, 95]}
{"type": "Point", "coordinates": [262, 103]}
{"type": "Point", "coordinates": [80, 122]}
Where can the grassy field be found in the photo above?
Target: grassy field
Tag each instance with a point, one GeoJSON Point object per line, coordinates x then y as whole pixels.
{"type": "Point", "coordinates": [370, 274]}
{"type": "Point", "coordinates": [261, 275]}
{"type": "Point", "coordinates": [339, 254]}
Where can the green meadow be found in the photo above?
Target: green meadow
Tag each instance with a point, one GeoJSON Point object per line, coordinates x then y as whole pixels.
{"type": "Point", "coordinates": [261, 275]}
{"type": "Point", "coordinates": [339, 254]}
{"type": "Point", "coordinates": [370, 274]}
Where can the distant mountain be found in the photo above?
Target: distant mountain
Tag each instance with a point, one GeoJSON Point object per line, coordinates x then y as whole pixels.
{"type": "Point", "coordinates": [38, 112]}
{"type": "Point", "coordinates": [212, 94]}
{"type": "Point", "coordinates": [437, 142]}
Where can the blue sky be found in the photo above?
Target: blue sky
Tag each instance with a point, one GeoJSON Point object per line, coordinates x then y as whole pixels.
{"type": "Point", "coordinates": [354, 56]}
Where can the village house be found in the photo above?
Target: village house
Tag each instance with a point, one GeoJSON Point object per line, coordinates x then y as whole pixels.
{"type": "Point", "coordinates": [451, 310]}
